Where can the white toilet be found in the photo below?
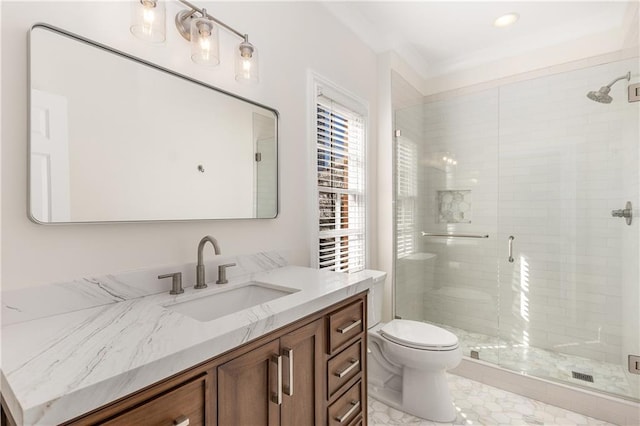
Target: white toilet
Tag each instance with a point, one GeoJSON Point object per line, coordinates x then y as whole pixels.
{"type": "Point", "coordinates": [407, 361]}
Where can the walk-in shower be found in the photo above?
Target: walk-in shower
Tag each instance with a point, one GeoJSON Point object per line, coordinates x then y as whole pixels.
{"type": "Point", "coordinates": [504, 232]}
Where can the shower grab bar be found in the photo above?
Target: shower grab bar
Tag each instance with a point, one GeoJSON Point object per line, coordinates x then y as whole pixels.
{"type": "Point", "coordinates": [431, 234]}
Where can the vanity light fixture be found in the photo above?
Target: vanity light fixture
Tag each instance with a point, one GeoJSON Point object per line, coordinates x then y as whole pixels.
{"type": "Point", "coordinates": [148, 20]}
{"type": "Point", "coordinates": [201, 29]}
{"type": "Point", "coordinates": [506, 20]}
{"type": "Point", "coordinates": [204, 41]}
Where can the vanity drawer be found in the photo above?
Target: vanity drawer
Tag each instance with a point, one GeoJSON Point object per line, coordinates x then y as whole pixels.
{"type": "Point", "coordinates": [344, 366]}
{"type": "Point", "coordinates": [358, 422]}
{"type": "Point", "coordinates": [176, 406]}
{"type": "Point", "coordinates": [348, 407]}
{"type": "Point", "coordinates": [345, 324]}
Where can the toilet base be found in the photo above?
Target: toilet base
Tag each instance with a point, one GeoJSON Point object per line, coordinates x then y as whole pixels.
{"type": "Point", "coordinates": [432, 405]}
{"type": "Point", "coordinates": [427, 395]}
{"type": "Point", "coordinates": [411, 380]}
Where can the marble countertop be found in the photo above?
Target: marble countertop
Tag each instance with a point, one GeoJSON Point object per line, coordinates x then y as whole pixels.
{"type": "Point", "coordinates": [87, 350]}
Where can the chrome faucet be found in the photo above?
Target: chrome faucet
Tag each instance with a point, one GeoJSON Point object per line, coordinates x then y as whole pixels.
{"type": "Point", "coordinates": [200, 266]}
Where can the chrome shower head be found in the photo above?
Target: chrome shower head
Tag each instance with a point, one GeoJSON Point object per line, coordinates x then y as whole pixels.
{"type": "Point", "coordinates": [602, 95]}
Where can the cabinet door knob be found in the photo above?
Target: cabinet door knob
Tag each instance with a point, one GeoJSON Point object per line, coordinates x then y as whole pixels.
{"type": "Point", "coordinates": [347, 328]}
{"type": "Point", "coordinates": [354, 406]}
{"type": "Point", "coordinates": [181, 421]}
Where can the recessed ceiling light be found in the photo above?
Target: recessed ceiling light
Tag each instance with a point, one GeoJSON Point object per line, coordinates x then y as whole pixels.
{"type": "Point", "coordinates": [506, 20]}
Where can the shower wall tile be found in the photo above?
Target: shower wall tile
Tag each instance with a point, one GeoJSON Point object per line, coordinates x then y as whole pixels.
{"type": "Point", "coordinates": [547, 166]}
{"type": "Point", "coordinates": [568, 152]}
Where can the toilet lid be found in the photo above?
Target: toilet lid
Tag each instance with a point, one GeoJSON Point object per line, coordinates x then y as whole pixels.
{"type": "Point", "coordinates": [419, 335]}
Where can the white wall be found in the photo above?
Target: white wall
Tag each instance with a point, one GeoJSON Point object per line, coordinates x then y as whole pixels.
{"type": "Point", "coordinates": [291, 38]}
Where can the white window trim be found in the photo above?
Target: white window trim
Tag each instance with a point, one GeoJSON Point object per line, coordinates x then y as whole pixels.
{"type": "Point", "coordinates": [348, 99]}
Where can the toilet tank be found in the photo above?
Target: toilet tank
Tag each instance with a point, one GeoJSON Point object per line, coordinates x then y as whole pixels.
{"type": "Point", "coordinates": [376, 296]}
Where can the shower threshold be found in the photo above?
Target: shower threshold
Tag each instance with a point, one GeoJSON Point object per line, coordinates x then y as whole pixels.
{"type": "Point", "coordinates": [547, 364]}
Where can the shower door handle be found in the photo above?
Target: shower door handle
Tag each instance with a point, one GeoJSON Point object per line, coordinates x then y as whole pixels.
{"type": "Point", "coordinates": [511, 238]}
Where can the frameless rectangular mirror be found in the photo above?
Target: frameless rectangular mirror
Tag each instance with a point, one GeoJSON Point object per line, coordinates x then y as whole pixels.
{"type": "Point", "coordinates": [114, 138]}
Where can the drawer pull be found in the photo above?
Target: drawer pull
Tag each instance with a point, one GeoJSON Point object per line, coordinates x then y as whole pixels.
{"type": "Point", "coordinates": [181, 421]}
{"type": "Point", "coordinates": [352, 364]}
{"type": "Point", "coordinates": [277, 396]}
{"type": "Point", "coordinates": [288, 389]}
{"type": "Point", "coordinates": [354, 407]}
{"type": "Point", "coordinates": [347, 328]}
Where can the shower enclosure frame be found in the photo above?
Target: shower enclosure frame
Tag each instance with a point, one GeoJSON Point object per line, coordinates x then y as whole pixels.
{"type": "Point", "coordinates": [620, 97]}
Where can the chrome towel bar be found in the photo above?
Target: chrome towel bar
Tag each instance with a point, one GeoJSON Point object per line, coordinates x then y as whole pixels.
{"type": "Point", "coordinates": [431, 234]}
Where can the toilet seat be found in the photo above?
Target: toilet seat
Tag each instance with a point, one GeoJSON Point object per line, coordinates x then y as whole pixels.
{"type": "Point", "coordinates": [419, 335]}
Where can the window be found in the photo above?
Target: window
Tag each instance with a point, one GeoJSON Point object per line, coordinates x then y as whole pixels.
{"type": "Point", "coordinates": [407, 187]}
{"type": "Point", "coordinates": [340, 148]}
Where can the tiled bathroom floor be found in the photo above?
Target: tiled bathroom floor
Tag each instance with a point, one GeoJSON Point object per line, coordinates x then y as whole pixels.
{"type": "Point", "coordinates": [479, 404]}
{"type": "Point", "coordinates": [547, 364]}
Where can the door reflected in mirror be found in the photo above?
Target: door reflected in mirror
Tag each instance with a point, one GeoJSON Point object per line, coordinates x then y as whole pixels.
{"type": "Point", "coordinates": [114, 138]}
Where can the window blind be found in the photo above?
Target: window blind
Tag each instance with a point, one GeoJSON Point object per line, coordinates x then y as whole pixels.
{"type": "Point", "coordinates": [341, 187]}
{"type": "Point", "coordinates": [407, 191]}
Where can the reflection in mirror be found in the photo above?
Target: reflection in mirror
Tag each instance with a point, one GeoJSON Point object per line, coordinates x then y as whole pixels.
{"type": "Point", "coordinates": [113, 138]}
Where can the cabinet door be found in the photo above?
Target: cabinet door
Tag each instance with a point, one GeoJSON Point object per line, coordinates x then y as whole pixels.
{"type": "Point", "coordinates": [248, 388]}
{"type": "Point", "coordinates": [302, 354]}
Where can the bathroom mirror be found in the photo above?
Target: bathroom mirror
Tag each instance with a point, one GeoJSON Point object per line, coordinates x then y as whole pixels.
{"type": "Point", "coordinates": [114, 138]}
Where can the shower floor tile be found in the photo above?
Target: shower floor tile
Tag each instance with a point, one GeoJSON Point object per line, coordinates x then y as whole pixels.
{"type": "Point", "coordinates": [480, 404]}
{"type": "Point", "coordinates": [547, 364]}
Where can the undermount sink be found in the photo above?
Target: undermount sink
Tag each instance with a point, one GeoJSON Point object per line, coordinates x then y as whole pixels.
{"type": "Point", "coordinates": [230, 300]}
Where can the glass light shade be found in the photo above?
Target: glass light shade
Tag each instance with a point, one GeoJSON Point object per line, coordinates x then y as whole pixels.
{"type": "Point", "coordinates": [148, 20]}
{"type": "Point", "coordinates": [246, 63]}
{"type": "Point", "coordinates": [204, 42]}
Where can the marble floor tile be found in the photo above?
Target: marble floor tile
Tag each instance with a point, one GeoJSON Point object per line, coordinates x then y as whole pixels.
{"type": "Point", "coordinates": [548, 364]}
{"type": "Point", "coordinates": [479, 404]}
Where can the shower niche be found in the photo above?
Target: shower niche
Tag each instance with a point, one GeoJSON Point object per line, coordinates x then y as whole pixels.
{"type": "Point", "coordinates": [454, 206]}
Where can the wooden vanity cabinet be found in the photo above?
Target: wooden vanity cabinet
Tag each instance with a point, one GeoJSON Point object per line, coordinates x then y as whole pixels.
{"type": "Point", "coordinates": [173, 407]}
{"type": "Point", "coordinates": [275, 384]}
{"type": "Point", "coordinates": [311, 372]}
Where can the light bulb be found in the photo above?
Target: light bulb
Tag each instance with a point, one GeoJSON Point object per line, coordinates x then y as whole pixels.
{"type": "Point", "coordinates": [205, 48]}
{"type": "Point", "coordinates": [148, 16]}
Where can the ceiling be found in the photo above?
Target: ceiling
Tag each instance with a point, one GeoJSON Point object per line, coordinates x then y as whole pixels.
{"type": "Point", "coordinates": [438, 37]}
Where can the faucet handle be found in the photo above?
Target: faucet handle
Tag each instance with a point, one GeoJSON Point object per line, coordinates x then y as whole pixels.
{"type": "Point", "coordinates": [222, 273]}
{"type": "Point", "coordinates": [176, 282]}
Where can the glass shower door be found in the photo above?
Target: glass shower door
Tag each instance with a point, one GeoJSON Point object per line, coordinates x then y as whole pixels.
{"type": "Point", "coordinates": [569, 296]}
{"type": "Point", "coordinates": [446, 218]}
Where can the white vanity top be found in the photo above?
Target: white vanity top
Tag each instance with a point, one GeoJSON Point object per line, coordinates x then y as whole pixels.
{"type": "Point", "coordinates": [76, 346]}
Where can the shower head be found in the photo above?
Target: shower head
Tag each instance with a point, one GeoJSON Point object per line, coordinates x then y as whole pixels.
{"type": "Point", "coordinates": [602, 95]}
